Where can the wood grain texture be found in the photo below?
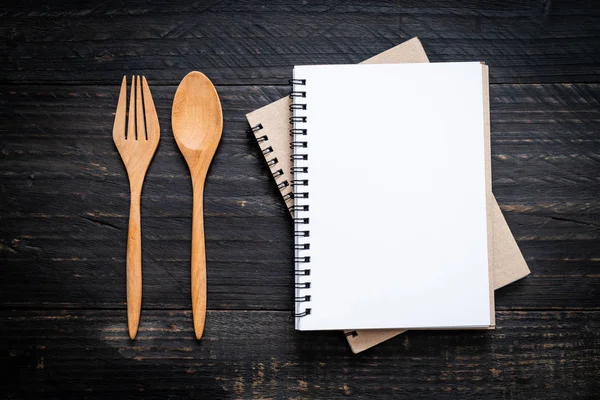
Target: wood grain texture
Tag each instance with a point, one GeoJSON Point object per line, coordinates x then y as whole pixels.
{"type": "Point", "coordinates": [259, 355]}
{"type": "Point", "coordinates": [520, 41]}
{"type": "Point", "coordinates": [64, 201]}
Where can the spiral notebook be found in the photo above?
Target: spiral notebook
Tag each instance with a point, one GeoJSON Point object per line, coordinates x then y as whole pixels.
{"type": "Point", "coordinates": [270, 125]}
{"type": "Point", "coordinates": [425, 124]}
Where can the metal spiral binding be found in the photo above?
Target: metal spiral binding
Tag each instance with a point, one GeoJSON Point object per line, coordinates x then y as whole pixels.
{"type": "Point", "coordinates": [300, 184]}
{"type": "Point", "coordinates": [271, 162]}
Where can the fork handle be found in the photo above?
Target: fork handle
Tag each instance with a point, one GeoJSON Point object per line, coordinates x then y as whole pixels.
{"type": "Point", "coordinates": [134, 264]}
{"type": "Point", "coordinates": [198, 260]}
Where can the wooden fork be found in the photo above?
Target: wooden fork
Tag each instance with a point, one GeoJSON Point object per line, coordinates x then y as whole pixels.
{"type": "Point", "coordinates": [136, 145]}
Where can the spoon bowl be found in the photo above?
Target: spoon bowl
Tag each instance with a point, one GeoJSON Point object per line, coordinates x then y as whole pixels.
{"type": "Point", "coordinates": [197, 116]}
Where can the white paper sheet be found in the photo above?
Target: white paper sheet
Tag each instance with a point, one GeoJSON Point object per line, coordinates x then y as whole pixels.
{"type": "Point", "coordinates": [397, 138]}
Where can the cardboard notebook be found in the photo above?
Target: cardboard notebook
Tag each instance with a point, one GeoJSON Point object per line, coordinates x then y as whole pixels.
{"type": "Point", "coordinates": [270, 125]}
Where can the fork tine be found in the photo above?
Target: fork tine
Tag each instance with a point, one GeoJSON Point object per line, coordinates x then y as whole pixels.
{"type": "Point", "coordinates": [139, 111]}
{"type": "Point", "coordinates": [131, 126]}
{"type": "Point", "coordinates": [152, 127]}
{"type": "Point", "coordinates": [119, 125]}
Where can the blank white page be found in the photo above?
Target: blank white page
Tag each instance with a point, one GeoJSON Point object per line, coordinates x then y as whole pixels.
{"type": "Point", "coordinates": [396, 195]}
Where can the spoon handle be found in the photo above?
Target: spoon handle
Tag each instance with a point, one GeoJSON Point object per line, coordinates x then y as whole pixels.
{"type": "Point", "coordinates": [134, 264]}
{"type": "Point", "coordinates": [198, 261]}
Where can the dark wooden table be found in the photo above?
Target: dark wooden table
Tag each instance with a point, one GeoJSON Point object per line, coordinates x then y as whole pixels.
{"type": "Point", "coordinates": [64, 202]}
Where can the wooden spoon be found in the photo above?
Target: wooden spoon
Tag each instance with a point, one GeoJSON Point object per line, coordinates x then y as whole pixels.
{"type": "Point", "coordinates": [197, 122]}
